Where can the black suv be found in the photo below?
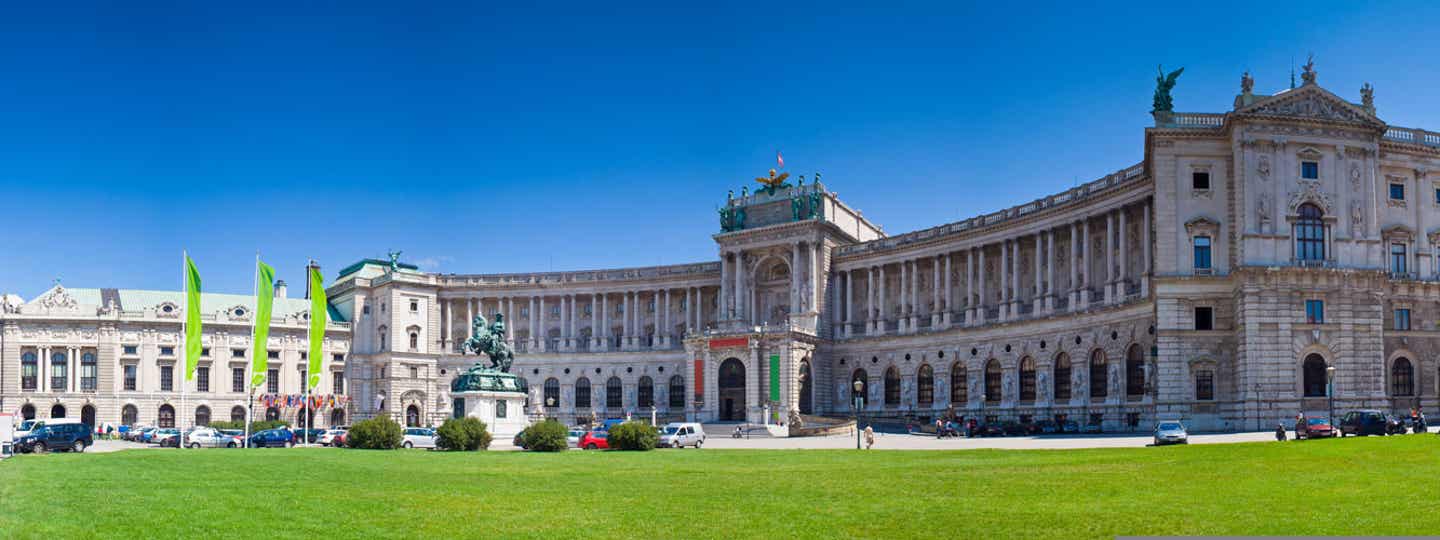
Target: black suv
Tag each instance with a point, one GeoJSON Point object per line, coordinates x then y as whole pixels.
{"type": "Point", "coordinates": [72, 437]}
{"type": "Point", "coordinates": [1368, 422]}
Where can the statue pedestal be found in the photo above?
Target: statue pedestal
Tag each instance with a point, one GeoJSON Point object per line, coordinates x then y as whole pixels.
{"type": "Point", "coordinates": [495, 397]}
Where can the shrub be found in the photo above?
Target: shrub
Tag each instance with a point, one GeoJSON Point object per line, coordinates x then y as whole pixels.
{"type": "Point", "coordinates": [466, 433]}
{"type": "Point", "coordinates": [633, 436]}
{"type": "Point", "coordinates": [378, 433]}
{"type": "Point", "coordinates": [547, 436]}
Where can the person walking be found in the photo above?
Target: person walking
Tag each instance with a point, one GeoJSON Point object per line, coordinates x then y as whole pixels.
{"type": "Point", "coordinates": [939, 428]}
{"type": "Point", "coordinates": [869, 437]}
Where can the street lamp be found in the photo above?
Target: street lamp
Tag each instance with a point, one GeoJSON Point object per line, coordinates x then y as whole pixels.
{"type": "Point", "coordinates": [858, 402]}
{"type": "Point", "coordinates": [1330, 391]}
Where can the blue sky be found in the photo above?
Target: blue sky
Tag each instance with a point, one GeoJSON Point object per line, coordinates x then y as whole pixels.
{"type": "Point", "coordinates": [488, 138]}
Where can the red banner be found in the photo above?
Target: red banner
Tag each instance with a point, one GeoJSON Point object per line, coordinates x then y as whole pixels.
{"type": "Point", "coordinates": [729, 342]}
{"type": "Point", "coordinates": [699, 379]}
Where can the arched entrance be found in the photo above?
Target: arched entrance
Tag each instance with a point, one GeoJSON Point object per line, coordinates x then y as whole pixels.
{"type": "Point", "coordinates": [27, 412]}
{"type": "Point", "coordinates": [1314, 376]}
{"type": "Point", "coordinates": [57, 411]}
{"type": "Point", "coordinates": [87, 415]}
{"type": "Point", "coordinates": [732, 390]}
{"type": "Point", "coordinates": [412, 416]}
{"type": "Point", "coordinates": [806, 401]}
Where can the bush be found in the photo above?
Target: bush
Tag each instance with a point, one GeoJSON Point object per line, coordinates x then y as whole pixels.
{"type": "Point", "coordinates": [547, 436]}
{"type": "Point", "coordinates": [466, 433]}
{"type": "Point", "coordinates": [633, 436]}
{"type": "Point", "coordinates": [259, 425]}
{"type": "Point", "coordinates": [378, 433]}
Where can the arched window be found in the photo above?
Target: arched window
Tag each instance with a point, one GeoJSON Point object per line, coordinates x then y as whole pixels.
{"type": "Point", "coordinates": [57, 411]}
{"type": "Point", "coordinates": [383, 332]}
{"type": "Point", "coordinates": [1402, 378]}
{"type": "Point", "coordinates": [89, 370]}
{"type": "Point", "coordinates": [861, 377]}
{"type": "Point", "coordinates": [129, 415]}
{"type": "Point", "coordinates": [337, 417]}
{"type": "Point", "coordinates": [1098, 386]}
{"type": "Point", "coordinates": [582, 393]}
{"type": "Point", "coordinates": [414, 340]}
{"type": "Point", "coordinates": [87, 415]}
{"type": "Point", "coordinates": [993, 379]}
{"type": "Point", "coordinates": [412, 416]}
{"type": "Point", "coordinates": [1314, 376]}
{"type": "Point", "coordinates": [552, 392]}
{"type": "Point", "coordinates": [167, 416]}
{"type": "Point", "coordinates": [959, 384]}
{"type": "Point", "coordinates": [677, 392]}
{"type": "Point", "coordinates": [27, 412]}
{"type": "Point", "coordinates": [237, 414]}
{"type": "Point", "coordinates": [1027, 379]}
{"type": "Point", "coordinates": [925, 385]}
{"type": "Point", "coordinates": [1309, 233]}
{"type": "Point", "coordinates": [613, 400]}
{"type": "Point", "coordinates": [58, 379]}
{"type": "Point", "coordinates": [1062, 377]}
{"type": "Point", "coordinates": [202, 416]}
{"type": "Point", "coordinates": [272, 414]}
{"type": "Point", "coordinates": [892, 386]}
{"type": "Point", "coordinates": [646, 392]}
{"type": "Point", "coordinates": [29, 371]}
{"type": "Point", "coordinates": [1134, 371]}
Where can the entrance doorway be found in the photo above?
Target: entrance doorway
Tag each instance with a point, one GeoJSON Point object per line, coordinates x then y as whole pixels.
{"type": "Point", "coordinates": [732, 390]}
{"type": "Point", "coordinates": [806, 402]}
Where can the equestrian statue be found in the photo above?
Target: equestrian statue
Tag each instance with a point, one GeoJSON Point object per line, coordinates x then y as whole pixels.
{"type": "Point", "coordinates": [490, 341]}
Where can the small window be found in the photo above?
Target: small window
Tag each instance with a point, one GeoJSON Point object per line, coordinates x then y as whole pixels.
{"type": "Point", "coordinates": [237, 353]}
{"type": "Point", "coordinates": [1397, 258]}
{"type": "Point", "coordinates": [130, 376]}
{"type": "Point", "coordinates": [273, 354]}
{"type": "Point", "coordinates": [1397, 192]}
{"type": "Point", "coordinates": [1402, 319]}
{"type": "Point", "coordinates": [1204, 385]}
{"type": "Point", "coordinates": [1310, 170]}
{"type": "Point", "coordinates": [337, 357]}
{"type": "Point", "coordinates": [1315, 311]}
{"type": "Point", "coordinates": [1200, 180]}
{"type": "Point", "coordinates": [167, 351]}
{"type": "Point", "coordinates": [414, 306]}
{"type": "Point", "coordinates": [167, 378]}
{"type": "Point", "coordinates": [237, 380]}
{"type": "Point", "coordinates": [1437, 195]}
{"type": "Point", "coordinates": [272, 381]}
{"type": "Point", "coordinates": [365, 310]}
{"type": "Point", "coordinates": [205, 351]}
{"type": "Point", "coordinates": [202, 379]}
{"type": "Point", "coordinates": [132, 350]}
{"type": "Point", "coordinates": [1202, 252]}
{"type": "Point", "coordinates": [1204, 318]}
{"type": "Point", "coordinates": [414, 372]}
{"type": "Point", "coordinates": [524, 312]}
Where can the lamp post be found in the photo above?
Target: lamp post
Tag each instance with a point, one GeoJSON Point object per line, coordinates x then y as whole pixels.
{"type": "Point", "coordinates": [1330, 391]}
{"type": "Point", "coordinates": [858, 402]}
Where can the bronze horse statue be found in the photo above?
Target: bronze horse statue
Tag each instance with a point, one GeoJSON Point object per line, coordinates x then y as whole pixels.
{"type": "Point", "coordinates": [490, 341]}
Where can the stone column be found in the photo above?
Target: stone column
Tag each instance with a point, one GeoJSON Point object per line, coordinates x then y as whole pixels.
{"type": "Point", "coordinates": [869, 301]}
{"type": "Point", "coordinates": [1145, 250]}
{"type": "Point", "coordinates": [1004, 278]}
{"type": "Point", "coordinates": [1049, 270]}
{"type": "Point", "coordinates": [949, 297]}
{"type": "Point", "coordinates": [604, 315]}
{"type": "Point", "coordinates": [739, 270]}
{"type": "Point", "coordinates": [849, 302]}
{"type": "Point", "coordinates": [1087, 278]}
{"type": "Point", "coordinates": [795, 277]}
{"type": "Point", "coordinates": [1124, 241]}
{"type": "Point", "coordinates": [444, 325]}
{"type": "Point", "coordinates": [1109, 257]}
{"type": "Point", "coordinates": [884, 308]}
{"type": "Point", "coordinates": [724, 285]}
{"type": "Point", "coordinates": [1039, 294]}
{"type": "Point", "coordinates": [980, 279]}
{"type": "Point", "coordinates": [903, 320]}
{"type": "Point", "coordinates": [970, 286]}
{"type": "Point", "coordinates": [817, 274]}
{"type": "Point", "coordinates": [936, 307]}
{"type": "Point", "coordinates": [914, 324]}
{"type": "Point", "coordinates": [1015, 286]}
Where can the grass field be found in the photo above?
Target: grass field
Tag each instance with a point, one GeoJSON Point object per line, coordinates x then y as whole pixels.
{"type": "Point", "coordinates": [1370, 485]}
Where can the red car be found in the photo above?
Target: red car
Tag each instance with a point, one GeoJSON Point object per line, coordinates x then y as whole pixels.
{"type": "Point", "coordinates": [1314, 428]}
{"type": "Point", "coordinates": [594, 440]}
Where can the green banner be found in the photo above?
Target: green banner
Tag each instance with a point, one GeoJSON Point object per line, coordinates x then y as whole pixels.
{"type": "Point", "coordinates": [318, 315]}
{"type": "Point", "coordinates": [264, 304]}
{"type": "Point", "coordinates": [774, 377]}
{"type": "Point", "coordinates": [192, 318]}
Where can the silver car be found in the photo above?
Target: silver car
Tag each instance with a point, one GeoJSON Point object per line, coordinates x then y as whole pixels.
{"type": "Point", "coordinates": [1171, 432]}
{"type": "Point", "coordinates": [210, 438]}
{"type": "Point", "coordinates": [416, 437]}
{"type": "Point", "coordinates": [573, 437]}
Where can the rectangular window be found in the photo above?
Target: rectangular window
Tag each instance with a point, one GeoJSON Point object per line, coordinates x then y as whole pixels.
{"type": "Point", "coordinates": [1204, 318]}
{"type": "Point", "coordinates": [1205, 385]}
{"type": "Point", "coordinates": [167, 351]}
{"type": "Point", "coordinates": [414, 306]}
{"type": "Point", "coordinates": [1402, 319]}
{"type": "Point", "coordinates": [273, 354]}
{"type": "Point", "coordinates": [237, 353]}
{"type": "Point", "coordinates": [272, 381]}
{"type": "Point", "coordinates": [205, 351]}
{"type": "Point", "coordinates": [167, 378]}
{"type": "Point", "coordinates": [414, 372]}
{"type": "Point", "coordinates": [1310, 170]}
{"type": "Point", "coordinates": [524, 312]}
{"type": "Point", "coordinates": [202, 379]}
{"type": "Point", "coordinates": [130, 372]}
{"type": "Point", "coordinates": [1397, 258]}
{"type": "Point", "coordinates": [1437, 195]}
{"type": "Point", "coordinates": [1397, 192]}
{"type": "Point", "coordinates": [1200, 180]}
{"type": "Point", "coordinates": [1315, 311]}
{"type": "Point", "coordinates": [337, 358]}
{"type": "Point", "coordinates": [131, 350]}
{"type": "Point", "coordinates": [89, 372]}
{"type": "Point", "coordinates": [1202, 252]}
{"type": "Point", "coordinates": [304, 379]}
{"type": "Point", "coordinates": [339, 377]}
{"type": "Point", "coordinates": [237, 379]}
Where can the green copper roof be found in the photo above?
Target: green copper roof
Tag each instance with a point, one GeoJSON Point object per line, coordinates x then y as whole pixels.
{"type": "Point", "coordinates": [377, 262]}
{"type": "Point", "coordinates": [135, 300]}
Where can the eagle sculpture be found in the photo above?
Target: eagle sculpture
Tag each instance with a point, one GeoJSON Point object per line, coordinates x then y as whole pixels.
{"type": "Point", "coordinates": [773, 182]}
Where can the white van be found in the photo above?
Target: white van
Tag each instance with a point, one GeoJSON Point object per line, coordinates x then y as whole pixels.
{"type": "Point", "coordinates": [27, 426]}
{"type": "Point", "coordinates": [681, 434]}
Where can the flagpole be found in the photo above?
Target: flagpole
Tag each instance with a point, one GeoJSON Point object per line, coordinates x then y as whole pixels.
{"type": "Point", "coordinates": [184, 354]}
{"type": "Point", "coordinates": [249, 362]}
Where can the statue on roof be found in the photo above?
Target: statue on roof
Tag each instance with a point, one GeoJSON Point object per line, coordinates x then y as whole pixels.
{"type": "Point", "coordinates": [796, 203]}
{"type": "Point", "coordinates": [1163, 84]}
{"type": "Point", "coordinates": [1247, 84]}
{"type": "Point", "coordinates": [1367, 96]}
{"type": "Point", "coordinates": [395, 260]}
{"type": "Point", "coordinates": [773, 182]}
{"type": "Point", "coordinates": [1308, 75]}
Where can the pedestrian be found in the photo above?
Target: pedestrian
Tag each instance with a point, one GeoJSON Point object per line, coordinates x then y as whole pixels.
{"type": "Point", "coordinates": [939, 428]}
{"type": "Point", "coordinates": [869, 437]}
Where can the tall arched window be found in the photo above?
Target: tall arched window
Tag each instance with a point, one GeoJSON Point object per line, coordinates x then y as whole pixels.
{"type": "Point", "coordinates": [29, 371]}
{"type": "Point", "coordinates": [89, 371]}
{"type": "Point", "coordinates": [1134, 371]}
{"type": "Point", "coordinates": [925, 385]}
{"type": "Point", "coordinates": [58, 379]}
{"type": "Point", "coordinates": [677, 392]}
{"type": "Point", "coordinates": [1309, 233]}
{"type": "Point", "coordinates": [237, 414]}
{"type": "Point", "coordinates": [582, 393]}
{"type": "Point", "coordinates": [645, 393]}
{"type": "Point", "coordinates": [129, 415]}
{"type": "Point", "coordinates": [614, 401]}
{"type": "Point", "coordinates": [414, 340]}
{"type": "Point", "coordinates": [202, 416]}
{"type": "Point", "coordinates": [1098, 386]}
{"type": "Point", "coordinates": [1402, 378]}
{"type": "Point", "coordinates": [167, 416]}
{"type": "Point", "coordinates": [552, 392]}
{"type": "Point", "coordinates": [959, 384]}
{"type": "Point", "coordinates": [1027, 379]}
{"type": "Point", "coordinates": [1314, 376]}
{"type": "Point", "coordinates": [861, 377]}
{"type": "Point", "coordinates": [383, 332]}
{"type": "Point", "coordinates": [993, 379]}
{"type": "Point", "coordinates": [892, 386]}
{"type": "Point", "coordinates": [1062, 377]}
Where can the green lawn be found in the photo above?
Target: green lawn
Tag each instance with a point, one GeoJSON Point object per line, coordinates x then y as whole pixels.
{"type": "Point", "coordinates": [1370, 485]}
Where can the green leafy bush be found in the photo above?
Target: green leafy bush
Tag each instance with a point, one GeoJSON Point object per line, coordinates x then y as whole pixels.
{"type": "Point", "coordinates": [466, 433]}
{"type": "Point", "coordinates": [547, 436]}
{"type": "Point", "coordinates": [378, 433]}
{"type": "Point", "coordinates": [633, 436]}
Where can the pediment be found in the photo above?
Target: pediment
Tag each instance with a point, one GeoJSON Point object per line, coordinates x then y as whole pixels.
{"type": "Point", "coordinates": [1201, 224]}
{"type": "Point", "coordinates": [56, 298]}
{"type": "Point", "coordinates": [1311, 102]}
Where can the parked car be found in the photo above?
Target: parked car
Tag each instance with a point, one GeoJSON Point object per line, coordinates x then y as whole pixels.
{"type": "Point", "coordinates": [28, 426]}
{"type": "Point", "coordinates": [519, 440]}
{"type": "Point", "coordinates": [1314, 427]}
{"type": "Point", "coordinates": [159, 436]}
{"type": "Point", "coordinates": [419, 438]}
{"type": "Point", "coordinates": [309, 435]}
{"type": "Point", "coordinates": [1070, 426]}
{"type": "Point", "coordinates": [595, 439]}
{"type": "Point", "coordinates": [1171, 432]}
{"type": "Point", "coordinates": [333, 437]}
{"type": "Point", "coordinates": [681, 434]}
{"type": "Point", "coordinates": [573, 437]}
{"type": "Point", "coordinates": [213, 438]}
{"type": "Point", "coordinates": [272, 438]}
{"type": "Point", "coordinates": [1047, 427]}
{"type": "Point", "coordinates": [1366, 422]}
{"type": "Point", "coordinates": [70, 436]}
{"type": "Point", "coordinates": [148, 435]}
{"type": "Point", "coordinates": [990, 430]}
{"type": "Point", "coordinates": [1093, 428]}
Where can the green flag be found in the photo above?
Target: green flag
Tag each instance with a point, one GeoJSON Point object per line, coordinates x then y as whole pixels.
{"type": "Point", "coordinates": [264, 300]}
{"type": "Point", "coordinates": [318, 307]}
{"type": "Point", "coordinates": [192, 318]}
{"type": "Point", "coordinates": [774, 377]}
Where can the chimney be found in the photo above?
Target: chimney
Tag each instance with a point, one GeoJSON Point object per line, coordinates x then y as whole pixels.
{"type": "Point", "coordinates": [280, 288]}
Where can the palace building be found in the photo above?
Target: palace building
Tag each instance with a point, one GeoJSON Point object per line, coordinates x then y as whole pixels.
{"type": "Point", "coordinates": [1254, 263]}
